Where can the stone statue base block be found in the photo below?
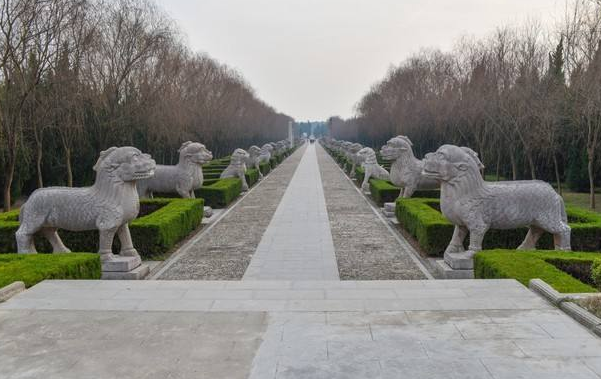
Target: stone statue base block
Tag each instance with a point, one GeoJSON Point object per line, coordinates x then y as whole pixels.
{"type": "Point", "coordinates": [390, 207]}
{"type": "Point", "coordinates": [137, 273]}
{"type": "Point", "coordinates": [460, 261]}
{"type": "Point", "coordinates": [445, 271]}
{"type": "Point", "coordinates": [207, 212]}
{"type": "Point", "coordinates": [121, 264]}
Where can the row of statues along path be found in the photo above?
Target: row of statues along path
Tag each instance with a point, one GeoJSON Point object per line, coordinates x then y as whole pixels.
{"type": "Point", "coordinates": [472, 204]}
{"type": "Point", "coordinates": [123, 175]}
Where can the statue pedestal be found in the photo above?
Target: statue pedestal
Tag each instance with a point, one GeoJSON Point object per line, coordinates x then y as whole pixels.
{"type": "Point", "coordinates": [389, 210]}
{"type": "Point", "coordinates": [460, 261]}
{"type": "Point", "coordinates": [124, 268]}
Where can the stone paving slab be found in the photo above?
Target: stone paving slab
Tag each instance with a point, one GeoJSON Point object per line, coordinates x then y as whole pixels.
{"type": "Point", "coordinates": [297, 245]}
{"type": "Point", "coordinates": [225, 250]}
{"type": "Point", "coordinates": [366, 249]}
{"type": "Point", "coordinates": [489, 329]}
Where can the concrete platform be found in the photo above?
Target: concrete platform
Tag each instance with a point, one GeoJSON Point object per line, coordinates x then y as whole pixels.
{"type": "Point", "coordinates": [291, 329]}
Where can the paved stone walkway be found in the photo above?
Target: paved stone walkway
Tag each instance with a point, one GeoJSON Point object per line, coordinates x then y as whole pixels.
{"type": "Point", "coordinates": [493, 329]}
{"type": "Point", "coordinates": [366, 247]}
{"type": "Point", "coordinates": [224, 249]}
{"type": "Point", "coordinates": [298, 243]}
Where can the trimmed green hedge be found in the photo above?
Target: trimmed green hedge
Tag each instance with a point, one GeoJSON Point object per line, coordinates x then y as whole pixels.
{"type": "Point", "coordinates": [596, 272]}
{"type": "Point", "coordinates": [252, 176]}
{"type": "Point", "coordinates": [383, 191]}
{"type": "Point", "coordinates": [526, 265]}
{"type": "Point", "coordinates": [359, 174]}
{"type": "Point", "coordinates": [265, 167]}
{"type": "Point", "coordinates": [422, 219]}
{"type": "Point", "coordinates": [221, 193]}
{"type": "Point", "coordinates": [153, 234]}
{"type": "Point", "coordinates": [33, 268]}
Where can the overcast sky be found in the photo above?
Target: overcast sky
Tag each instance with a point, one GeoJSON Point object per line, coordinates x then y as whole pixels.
{"type": "Point", "coordinates": [313, 59]}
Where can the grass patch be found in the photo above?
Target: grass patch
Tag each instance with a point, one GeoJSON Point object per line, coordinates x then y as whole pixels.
{"type": "Point", "coordinates": [591, 304]}
{"type": "Point", "coordinates": [422, 218]}
{"type": "Point", "coordinates": [540, 264]}
{"type": "Point", "coordinates": [33, 268]}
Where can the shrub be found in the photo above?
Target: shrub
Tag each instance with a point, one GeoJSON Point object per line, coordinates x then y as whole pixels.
{"type": "Point", "coordinates": [526, 265]}
{"type": "Point", "coordinates": [265, 167]}
{"type": "Point", "coordinates": [422, 219]}
{"type": "Point", "coordinates": [252, 176]}
{"type": "Point", "coordinates": [211, 175]}
{"type": "Point", "coordinates": [596, 273]}
{"type": "Point", "coordinates": [273, 162]}
{"type": "Point", "coordinates": [359, 174]}
{"type": "Point", "coordinates": [221, 193]}
{"type": "Point", "coordinates": [383, 191]}
{"type": "Point", "coordinates": [153, 234]}
{"type": "Point", "coordinates": [33, 268]}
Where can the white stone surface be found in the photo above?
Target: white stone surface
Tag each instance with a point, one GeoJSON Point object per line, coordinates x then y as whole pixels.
{"type": "Point", "coordinates": [297, 244]}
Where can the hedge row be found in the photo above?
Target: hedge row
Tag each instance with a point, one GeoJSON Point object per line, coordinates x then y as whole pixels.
{"type": "Point", "coordinates": [423, 220]}
{"type": "Point", "coordinates": [33, 268]}
{"type": "Point", "coordinates": [221, 193]}
{"type": "Point", "coordinates": [153, 234]}
{"type": "Point", "coordinates": [252, 176]}
{"type": "Point", "coordinates": [561, 270]}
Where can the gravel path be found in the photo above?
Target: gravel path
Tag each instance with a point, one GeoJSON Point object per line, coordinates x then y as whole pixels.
{"type": "Point", "coordinates": [224, 251]}
{"type": "Point", "coordinates": [365, 248]}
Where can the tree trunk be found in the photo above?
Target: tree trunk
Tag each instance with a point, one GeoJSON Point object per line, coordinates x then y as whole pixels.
{"type": "Point", "coordinates": [591, 178]}
{"type": "Point", "coordinates": [531, 164]}
{"type": "Point", "coordinates": [557, 177]}
{"type": "Point", "coordinates": [514, 165]}
{"type": "Point", "coordinates": [8, 181]}
{"type": "Point", "coordinates": [498, 165]}
{"type": "Point", "coordinates": [69, 169]}
{"type": "Point", "coordinates": [38, 165]}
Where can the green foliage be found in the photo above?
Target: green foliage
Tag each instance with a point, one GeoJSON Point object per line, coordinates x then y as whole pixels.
{"type": "Point", "coordinates": [156, 233]}
{"type": "Point", "coordinates": [577, 174]}
{"type": "Point", "coordinates": [221, 193]}
{"type": "Point", "coordinates": [252, 176]}
{"type": "Point", "coordinates": [383, 191]}
{"type": "Point", "coordinates": [265, 167]}
{"type": "Point", "coordinates": [359, 174]}
{"type": "Point", "coordinates": [596, 273]}
{"type": "Point", "coordinates": [33, 268]}
{"type": "Point", "coordinates": [153, 234]}
{"type": "Point", "coordinates": [211, 175]}
{"type": "Point", "coordinates": [422, 219]}
{"type": "Point", "coordinates": [273, 162]}
{"type": "Point", "coordinates": [526, 265]}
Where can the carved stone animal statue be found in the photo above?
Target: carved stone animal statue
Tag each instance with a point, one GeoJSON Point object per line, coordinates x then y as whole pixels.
{"type": "Point", "coordinates": [108, 205]}
{"type": "Point", "coordinates": [406, 170]}
{"type": "Point", "coordinates": [475, 206]}
{"type": "Point", "coordinates": [280, 147]}
{"type": "Point", "coordinates": [367, 156]}
{"type": "Point", "coordinates": [237, 167]}
{"type": "Point", "coordinates": [182, 178]}
{"type": "Point", "coordinates": [253, 160]}
{"type": "Point", "coordinates": [351, 154]}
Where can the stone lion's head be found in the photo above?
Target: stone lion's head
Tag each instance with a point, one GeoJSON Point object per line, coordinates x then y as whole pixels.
{"type": "Point", "coordinates": [239, 155]}
{"type": "Point", "coordinates": [124, 164]}
{"type": "Point", "coordinates": [355, 148]}
{"type": "Point", "coordinates": [194, 152]}
{"type": "Point", "coordinates": [396, 147]}
{"type": "Point", "coordinates": [367, 154]}
{"type": "Point", "coordinates": [254, 151]}
{"type": "Point", "coordinates": [267, 147]}
{"type": "Point", "coordinates": [450, 163]}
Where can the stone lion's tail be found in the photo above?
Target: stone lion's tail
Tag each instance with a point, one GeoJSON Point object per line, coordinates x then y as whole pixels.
{"type": "Point", "coordinates": [564, 216]}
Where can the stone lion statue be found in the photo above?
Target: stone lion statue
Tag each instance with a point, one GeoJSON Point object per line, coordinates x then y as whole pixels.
{"type": "Point", "coordinates": [182, 178]}
{"type": "Point", "coordinates": [474, 205]}
{"type": "Point", "coordinates": [351, 154]}
{"type": "Point", "coordinates": [367, 156]}
{"type": "Point", "coordinates": [237, 167]}
{"type": "Point", "coordinates": [253, 160]}
{"type": "Point", "coordinates": [108, 205]}
{"type": "Point", "coordinates": [406, 170]}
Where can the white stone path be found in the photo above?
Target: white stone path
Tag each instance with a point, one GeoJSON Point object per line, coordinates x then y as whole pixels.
{"type": "Point", "coordinates": [297, 244]}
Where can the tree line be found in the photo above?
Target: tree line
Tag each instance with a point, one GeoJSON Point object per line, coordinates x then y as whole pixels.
{"type": "Point", "coordinates": [526, 98]}
{"type": "Point", "coordinates": [78, 76]}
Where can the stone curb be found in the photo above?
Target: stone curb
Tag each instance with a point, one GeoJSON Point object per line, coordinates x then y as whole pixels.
{"type": "Point", "coordinates": [584, 317]}
{"type": "Point", "coordinates": [11, 290]}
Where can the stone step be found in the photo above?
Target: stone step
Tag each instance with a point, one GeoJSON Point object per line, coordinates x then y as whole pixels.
{"type": "Point", "coordinates": [277, 296]}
